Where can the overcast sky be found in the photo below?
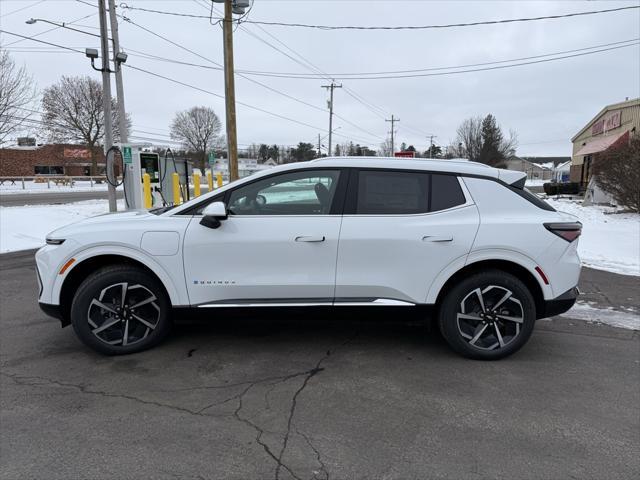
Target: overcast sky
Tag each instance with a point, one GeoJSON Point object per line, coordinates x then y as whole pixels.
{"type": "Point", "coordinates": [546, 103]}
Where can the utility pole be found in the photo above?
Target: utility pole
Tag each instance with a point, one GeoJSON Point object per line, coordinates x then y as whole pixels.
{"type": "Point", "coordinates": [431, 137]}
{"type": "Point", "coordinates": [393, 122]}
{"type": "Point", "coordinates": [319, 147]}
{"type": "Point", "coordinates": [230, 91]}
{"type": "Point", "coordinates": [106, 97]}
{"type": "Point", "coordinates": [122, 115]}
{"type": "Point", "coordinates": [331, 88]}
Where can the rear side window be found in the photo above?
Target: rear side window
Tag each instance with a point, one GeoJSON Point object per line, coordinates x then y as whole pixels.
{"type": "Point", "coordinates": [392, 193]}
{"type": "Point", "coordinates": [445, 192]}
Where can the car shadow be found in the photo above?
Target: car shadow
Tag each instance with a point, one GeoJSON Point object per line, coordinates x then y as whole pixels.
{"type": "Point", "coordinates": [411, 326]}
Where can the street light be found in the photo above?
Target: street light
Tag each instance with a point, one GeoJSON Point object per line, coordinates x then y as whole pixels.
{"type": "Point", "coordinates": [33, 21]}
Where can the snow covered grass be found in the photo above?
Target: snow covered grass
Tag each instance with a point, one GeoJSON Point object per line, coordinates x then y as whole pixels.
{"type": "Point", "coordinates": [23, 228]}
{"type": "Point", "coordinates": [608, 316]}
{"type": "Point", "coordinates": [610, 241]}
{"type": "Point", "coordinates": [35, 188]}
{"type": "Point", "coordinates": [535, 182]}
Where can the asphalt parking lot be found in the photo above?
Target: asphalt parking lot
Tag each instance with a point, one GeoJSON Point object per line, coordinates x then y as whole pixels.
{"type": "Point", "coordinates": [287, 396]}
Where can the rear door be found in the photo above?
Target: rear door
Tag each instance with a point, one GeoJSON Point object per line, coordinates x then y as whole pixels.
{"type": "Point", "coordinates": [400, 229]}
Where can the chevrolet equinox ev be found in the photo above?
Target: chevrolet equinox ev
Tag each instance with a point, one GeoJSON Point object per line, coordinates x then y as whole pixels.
{"type": "Point", "coordinates": [487, 256]}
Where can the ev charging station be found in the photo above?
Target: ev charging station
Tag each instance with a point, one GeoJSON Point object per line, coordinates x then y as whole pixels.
{"type": "Point", "coordinates": [137, 161]}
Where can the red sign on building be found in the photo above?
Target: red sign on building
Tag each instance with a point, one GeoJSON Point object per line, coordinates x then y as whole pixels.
{"type": "Point", "coordinates": [405, 154]}
{"type": "Point", "coordinates": [611, 121]}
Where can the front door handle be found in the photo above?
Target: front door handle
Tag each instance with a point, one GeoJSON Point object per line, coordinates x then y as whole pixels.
{"type": "Point", "coordinates": [437, 238]}
{"type": "Point", "coordinates": [310, 238]}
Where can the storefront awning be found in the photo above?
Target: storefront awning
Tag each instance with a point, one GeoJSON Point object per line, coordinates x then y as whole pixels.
{"type": "Point", "coordinates": [602, 144]}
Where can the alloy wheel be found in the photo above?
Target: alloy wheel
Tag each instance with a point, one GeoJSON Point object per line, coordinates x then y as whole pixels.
{"type": "Point", "coordinates": [490, 318]}
{"type": "Point", "coordinates": [123, 314]}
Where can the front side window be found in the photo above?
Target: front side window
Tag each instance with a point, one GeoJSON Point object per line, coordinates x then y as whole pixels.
{"type": "Point", "coordinates": [309, 192]}
{"type": "Point", "coordinates": [392, 193]}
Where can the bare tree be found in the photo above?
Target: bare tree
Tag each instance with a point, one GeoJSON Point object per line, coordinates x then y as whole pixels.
{"type": "Point", "coordinates": [385, 149]}
{"type": "Point", "coordinates": [617, 172]}
{"type": "Point", "coordinates": [470, 136]}
{"type": "Point", "coordinates": [73, 112]}
{"type": "Point", "coordinates": [17, 91]}
{"type": "Point", "coordinates": [198, 129]}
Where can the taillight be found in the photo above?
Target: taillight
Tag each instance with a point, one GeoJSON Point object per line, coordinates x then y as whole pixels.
{"type": "Point", "coordinates": [568, 231]}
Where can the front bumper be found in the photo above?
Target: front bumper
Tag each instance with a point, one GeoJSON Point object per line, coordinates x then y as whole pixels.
{"type": "Point", "coordinates": [54, 311]}
{"type": "Point", "coordinates": [559, 304]}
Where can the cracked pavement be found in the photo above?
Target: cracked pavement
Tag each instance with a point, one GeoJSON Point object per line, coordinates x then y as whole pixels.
{"type": "Point", "coordinates": [318, 397]}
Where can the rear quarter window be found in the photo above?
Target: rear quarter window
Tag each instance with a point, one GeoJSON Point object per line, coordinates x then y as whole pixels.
{"type": "Point", "coordinates": [445, 192]}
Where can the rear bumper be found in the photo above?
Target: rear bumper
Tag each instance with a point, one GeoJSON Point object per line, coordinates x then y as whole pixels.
{"type": "Point", "coordinates": [559, 304]}
{"type": "Point", "coordinates": [54, 311]}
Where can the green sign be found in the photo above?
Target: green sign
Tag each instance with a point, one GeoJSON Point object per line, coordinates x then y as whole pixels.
{"type": "Point", "coordinates": [126, 154]}
{"type": "Point", "coordinates": [212, 158]}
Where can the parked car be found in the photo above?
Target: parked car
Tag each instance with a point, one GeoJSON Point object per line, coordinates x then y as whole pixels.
{"type": "Point", "coordinates": [466, 239]}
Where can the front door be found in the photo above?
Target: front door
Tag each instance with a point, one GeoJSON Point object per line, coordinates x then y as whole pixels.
{"type": "Point", "coordinates": [278, 245]}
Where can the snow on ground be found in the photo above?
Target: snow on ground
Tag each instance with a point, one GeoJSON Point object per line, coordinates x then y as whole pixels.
{"type": "Point", "coordinates": [535, 182]}
{"type": "Point", "coordinates": [31, 187]}
{"type": "Point", "coordinates": [608, 316]}
{"type": "Point", "coordinates": [23, 228]}
{"type": "Point", "coordinates": [609, 241]}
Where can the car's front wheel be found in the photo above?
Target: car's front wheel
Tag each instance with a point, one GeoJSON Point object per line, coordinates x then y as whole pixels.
{"type": "Point", "coordinates": [120, 309]}
{"type": "Point", "coordinates": [487, 316]}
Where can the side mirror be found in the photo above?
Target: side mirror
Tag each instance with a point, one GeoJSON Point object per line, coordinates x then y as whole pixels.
{"type": "Point", "coordinates": [212, 214]}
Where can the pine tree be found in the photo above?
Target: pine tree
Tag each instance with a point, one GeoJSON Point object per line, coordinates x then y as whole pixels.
{"type": "Point", "coordinates": [492, 142]}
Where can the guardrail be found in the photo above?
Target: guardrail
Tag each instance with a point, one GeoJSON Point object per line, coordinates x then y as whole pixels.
{"type": "Point", "coordinates": [57, 180]}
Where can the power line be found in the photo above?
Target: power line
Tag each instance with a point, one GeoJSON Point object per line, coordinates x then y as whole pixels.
{"type": "Point", "coordinates": [401, 27]}
{"type": "Point", "coordinates": [41, 41]}
{"type": "Point", "coordinates": [242, 75]}
{"type": "Point", "coordinates": [21, 9]}
{"type": "Point", "coordinates": [428, 69]}
{"type": "Point", "coordinates": [437, 74]}
{"type": "Point", "coordinates": [253, 107]}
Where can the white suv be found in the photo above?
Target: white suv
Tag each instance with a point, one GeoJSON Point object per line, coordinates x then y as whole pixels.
{"type": "Point", "coordinates": [466, 239]}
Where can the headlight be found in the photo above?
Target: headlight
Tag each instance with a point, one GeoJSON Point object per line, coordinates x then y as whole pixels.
{"type": "Point", "coordinates": [55, 241]}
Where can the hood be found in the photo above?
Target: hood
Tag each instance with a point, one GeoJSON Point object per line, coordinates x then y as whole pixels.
{"type": "Point", "coordinates": [100, 221]}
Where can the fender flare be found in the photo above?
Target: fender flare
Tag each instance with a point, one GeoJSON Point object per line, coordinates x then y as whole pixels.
{"type": "Point", "coordinates": [511, 256]}
{"type": "Point", "coordinates": [178, 296]}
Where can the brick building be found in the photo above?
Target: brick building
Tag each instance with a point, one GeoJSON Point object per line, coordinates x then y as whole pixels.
{"type": "Point", "coordinates": [55, 159]}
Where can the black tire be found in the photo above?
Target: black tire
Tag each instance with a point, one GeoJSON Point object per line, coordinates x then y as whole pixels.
{"type": "Point", "coordinates": [103, 286]}
{"type": "Point", "coordinates": [480, 332]}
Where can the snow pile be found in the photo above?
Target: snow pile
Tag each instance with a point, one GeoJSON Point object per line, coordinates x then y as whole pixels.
{"type": "Point", "coordinates": [609, 241]}
{"type": "Point", "coordinates": [23, 228]}
{"type": "Point", "coordinates": [608, 316]}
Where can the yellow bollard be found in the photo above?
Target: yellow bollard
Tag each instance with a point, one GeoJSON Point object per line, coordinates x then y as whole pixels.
{"type": "Point", "coordinates": [196, 184]}
{"type": "Point", "coordinates": [210, 180]}
{"type": "Point", "coordinates": [219, 178]}
{"type": "Point", "coordinates": [176, 189]}
{"type": "Point", "coordinates": [146, 189]}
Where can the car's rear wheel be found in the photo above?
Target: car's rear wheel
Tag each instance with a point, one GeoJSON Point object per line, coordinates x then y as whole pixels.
{"type": "Point", "coordinates": [487, 316]}
{"type": "Point", "coordinates": [119, 310]}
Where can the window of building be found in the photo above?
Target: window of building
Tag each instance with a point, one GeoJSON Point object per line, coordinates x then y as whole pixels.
{"type": "Point", "coordinates": [48, 170]}
{"type": "Point", "coordinates": [445, 192]}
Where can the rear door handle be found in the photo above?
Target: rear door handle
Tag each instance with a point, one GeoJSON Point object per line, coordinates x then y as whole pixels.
{"type": "Point", "coordinates": [310, 238]}
{"type": "Point", "coordinates": [437, 238]}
